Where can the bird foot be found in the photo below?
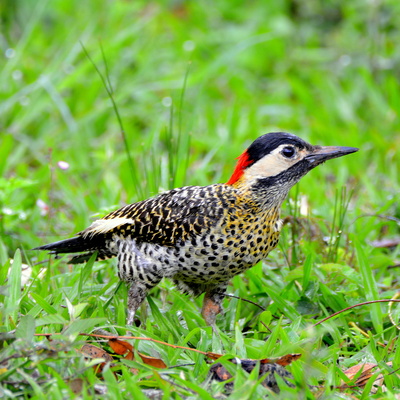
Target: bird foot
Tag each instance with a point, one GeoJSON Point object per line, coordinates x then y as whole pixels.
{"type": "Point", "coordinates": [211, 308]}
{"type": "Point", "coordinates": [136, 294]}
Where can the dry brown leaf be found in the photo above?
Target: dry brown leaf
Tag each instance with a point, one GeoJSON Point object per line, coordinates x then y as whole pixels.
{"type": "Point", "coordinates": [152, 361]}
{"type": "Point", "coordinates": [95, 352]}
{"type": "Point", "coordinates": [366, 373]}
{"type": "Point", "coordinates": [76, 385]}
{"type": "Point", "coordinates": [367, 370]}
{"type": "Point", "coordinates": [267, 369]}
{"type": "Point", "coordinates": [92, 351]}
{"type": "Point", "coordinates": [220, 373]}
{"type": "Point", "coordinates": [121, 347]}
{"type": "Point", "coordinates": [284, 360]}
{"type": "Point", "coordinates": [213, 356]}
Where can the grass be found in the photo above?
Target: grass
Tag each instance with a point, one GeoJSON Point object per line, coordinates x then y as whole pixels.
{"type": "Point", "coordinates": [194, 83]}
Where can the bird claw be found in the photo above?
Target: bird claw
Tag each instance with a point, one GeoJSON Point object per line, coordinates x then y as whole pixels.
{"type": "Point", "coordinates": [136, 294]}
{"type": "Point", "coordinates": [211, 308]}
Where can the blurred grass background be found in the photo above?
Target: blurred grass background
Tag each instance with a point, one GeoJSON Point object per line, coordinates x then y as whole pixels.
{"type": "Point", "coordinates": [326, 71]}
{"type": "Point", "coordinates": [195, 83]}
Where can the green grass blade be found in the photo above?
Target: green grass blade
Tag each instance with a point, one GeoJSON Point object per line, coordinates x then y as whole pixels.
{"type": "Point", "coordinates": [370, 287]}
{"type": "Point", "coordinates": [12, 301]}
{"type": "Point", "coordinates": [26, 328]}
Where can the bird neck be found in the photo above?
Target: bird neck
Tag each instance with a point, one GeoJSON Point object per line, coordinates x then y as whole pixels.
{"type": "Point", "coordinates": [263, 192]}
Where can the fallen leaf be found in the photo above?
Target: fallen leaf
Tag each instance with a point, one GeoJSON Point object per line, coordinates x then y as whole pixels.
{"type": "Point", "coordinates": [152, 361]}
{"type": "Point", "coordinates": [268, 368]}
{"type": "Point", "coordinates": [121, 347]}
{"type": "Point", "coordinates": [76, 385]}
{"type": "Point", "coordinates": [219, 373]}
{"type": "Point", "coordinates": [92, 351]}
{"type": "Point", "coordinates": [386, 243]}
{"type": "Point", "coordinates": [95, 352]}
{"type": "Point", "coordinates": [213, 356]}
{"type": "Point", "coordinates": [283, 361]}
{"type": "Point", "coordinates": [367, 371]}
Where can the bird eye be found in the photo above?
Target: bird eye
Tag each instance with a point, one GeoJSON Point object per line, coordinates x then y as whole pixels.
{"type": "Point", "coordinates": [288, 151]}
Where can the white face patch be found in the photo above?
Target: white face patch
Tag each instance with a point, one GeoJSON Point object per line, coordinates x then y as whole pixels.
{"type": "Point", "coordinates": [274, 163]}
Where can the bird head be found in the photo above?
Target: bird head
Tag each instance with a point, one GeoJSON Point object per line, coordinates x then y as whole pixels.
{"type": "Point", "coordinates": [280, 159]}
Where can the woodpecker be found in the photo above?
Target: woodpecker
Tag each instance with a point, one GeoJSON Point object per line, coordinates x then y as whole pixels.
{"type": "Point", "coordinates": [202, 236]}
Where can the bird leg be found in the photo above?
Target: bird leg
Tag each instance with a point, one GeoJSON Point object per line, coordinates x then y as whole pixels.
{"type": "Point", "coordinates": [136, 294]}
{"type": "Point", "coordinates": [138, 271]}
{"type": "Point", "coordinates": [212, 307]}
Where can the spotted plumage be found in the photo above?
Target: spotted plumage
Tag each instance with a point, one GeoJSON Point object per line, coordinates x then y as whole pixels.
{"type": "Point", "coordinates": [202, 236]}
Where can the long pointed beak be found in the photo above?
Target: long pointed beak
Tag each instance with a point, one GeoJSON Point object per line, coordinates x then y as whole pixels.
{"type": "Point", "coordinates": [324, 153]}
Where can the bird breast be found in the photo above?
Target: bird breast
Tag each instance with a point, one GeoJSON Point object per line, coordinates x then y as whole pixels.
{"type": "Point", "coordinates": [225, 250]}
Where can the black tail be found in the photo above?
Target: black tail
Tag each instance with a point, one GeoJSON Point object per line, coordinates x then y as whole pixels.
{"type": "Point", "coordinates": [73, 245]}
{"type": "Point", "coordinates": [78, 244]}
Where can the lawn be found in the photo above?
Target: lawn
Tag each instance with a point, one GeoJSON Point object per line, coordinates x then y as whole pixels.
{"type": "Point", "coordinates": [107, 103]}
